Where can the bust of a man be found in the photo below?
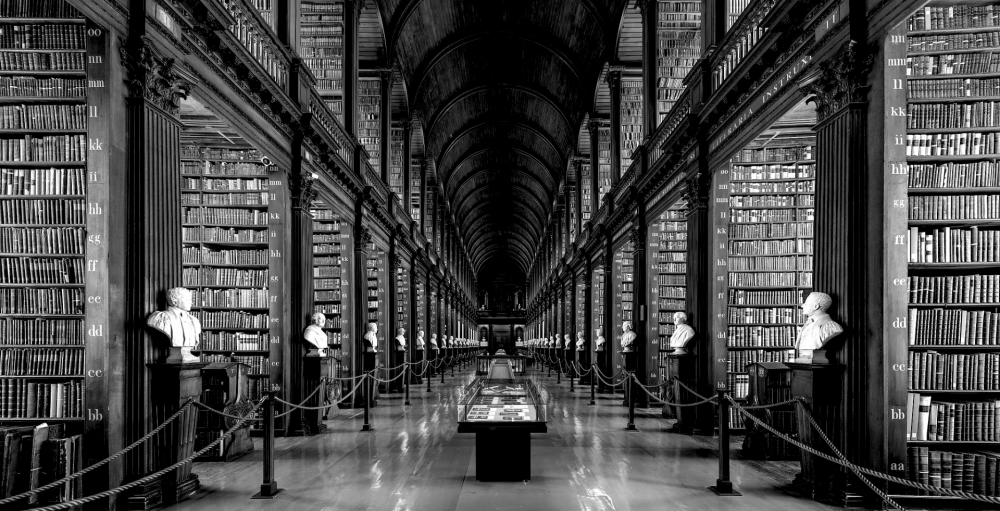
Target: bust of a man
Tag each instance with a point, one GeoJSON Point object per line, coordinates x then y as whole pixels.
{"type": "Point", "coordinates": [559, 342]}
{"type": "Point", "coordinates": [599, 342]}
{"type": "Point", "coordinates": [451, 341]}
{"type": "Point", "coordinates": [567, 343]}
{"type": "Point", "coordinates": [819, 329]}
{"type": "Point", "coordinates": [628, 336]}
{"type": "Point", "coordinates": [315, 336]}
{"type": "Point", "coordinates": [400, 340]}
{"type": "Point", "coordinates": [434, 342]}
{"type": "Point", "coordinates": [420, 339]}
{"type": "Point", "coordinates": [176, 322]}
{"type": "Point", "coordinates": [580, 341]}
{"type": "Point", "coordinates": [371, 338]}
{"type": "Point", "coordinates": [683, 333]}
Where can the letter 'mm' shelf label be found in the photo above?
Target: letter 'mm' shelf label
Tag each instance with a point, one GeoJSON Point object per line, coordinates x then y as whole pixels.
{"type": "Point", "coordinates": [895, 250]}
{"type": "Point", "coordinates": [719, 211]}
{"type": "Point", "coordinates": [96, 307]}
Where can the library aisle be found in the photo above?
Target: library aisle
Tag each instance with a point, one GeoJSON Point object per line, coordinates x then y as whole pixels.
{"type": "Point", "coordinates": [415, 460]}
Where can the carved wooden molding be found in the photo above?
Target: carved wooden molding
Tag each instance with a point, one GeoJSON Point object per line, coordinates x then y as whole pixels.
{"type": "Point", "coordinates": [839, 81]}
{"type": "Point", "coordinates": [696, 191]}
{"type": "Point", "coordinates": [151, 76]}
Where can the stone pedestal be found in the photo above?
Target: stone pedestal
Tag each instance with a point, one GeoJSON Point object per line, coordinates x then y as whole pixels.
{"type": "Point", "coordinates": [604, 365]}
{"type": "Point", "coordinates": [820, 386]}
{"type": "Point", "coordinates": [173, 384]}
{"type": "Point", "coordinates": [570, 363]}
{"type": "Point", "coordinates": [630, 362]}
{"type": "Point", "coordinates": [683, 367]}
{"type": "Point", "coordinates": [432, 358]}
{"type": "Point", "coordinates": [416, 357]}
{"type": "Point", "coordinates": [397, 357]}
{"type": "Point", "coordinates": [314, 369]}
{"type": "Point", "coordinates": [583, 357]}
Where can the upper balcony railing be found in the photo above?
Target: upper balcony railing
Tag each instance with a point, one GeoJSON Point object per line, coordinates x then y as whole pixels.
{"type": "Point", "coordinates": [331, 126]}
{"type": "Point", "coordinates": [259, 40]}
{"type": "Point", "coordinates": [739, 41]}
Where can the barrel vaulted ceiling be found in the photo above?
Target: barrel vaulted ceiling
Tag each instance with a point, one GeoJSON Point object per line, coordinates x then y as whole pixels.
{"type": "Point", "coordinates": [500, 88]}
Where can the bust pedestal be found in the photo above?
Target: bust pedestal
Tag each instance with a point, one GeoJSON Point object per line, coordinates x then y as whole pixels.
{"type": "Point", "coordinates": [172, 385]}
{"type": "Point", "coordinates": [315, 367]}
{"type": "Point", "coordinates": [571, 362]}
{"type": "Point", "coordinates": [603, 361]}
{"type": "Point", "coordinates": [368, 361]}
{"type": "Point", "coordinates": [397, 356]}
{"type": "Point", "coordinates": [630, 363]}
{"type": "Point", "coordinates": [682, 365]}
{"type": "Point", "coordinates": [584, 358]}
{"type": "Point", "coordinates": [432, 356]}
{"type": "Point", "coordinates": [416, 357]}
{"type": "Point", "coordinates": [820, 387]}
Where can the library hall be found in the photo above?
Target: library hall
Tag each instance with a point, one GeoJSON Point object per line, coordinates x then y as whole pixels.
{"type": "Point", "coordinates": [470, 255]}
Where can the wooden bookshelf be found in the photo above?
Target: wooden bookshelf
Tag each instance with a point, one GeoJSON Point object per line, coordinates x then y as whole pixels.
{"type": "Point", "coordinates": [624, 299]}
{"type": "Point", "coordinates": [396, 163]}
{"type": "Point", "coordinates": [415, 192]}
{"type": "Point", "coordinates": [952, 178]}
{"type": "Point", "coordinates": [376, 301]}
{"type": "Point", "coordinates": [267, 12]}
{"type": "Point", "coordinates": [403, 278]}
{"type": "Point", "coordinates": [369, 120]}
{"type": "Point", "coordinates": [329, 286]}
{"type": "Point", "coordinates": [678, 48]}
{"type": "Point", "coordinates": [769, 239]}
{"type": "Point", "coordinates": [631, 119]}
{"type": "Point", "coordinates": [321, 46]}
{"type": "Point", "coordinates": [734, 8]}
{"type": "Point", "coordinates": [667, 258]}
{"type": "Point", "coordinates": [603, 163]}
{"type": "Point", "coordinates": [585, 190]}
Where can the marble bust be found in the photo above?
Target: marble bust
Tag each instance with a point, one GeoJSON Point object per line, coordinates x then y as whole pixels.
{"type": "Point", "coordinates": [580, 342]}
{"type": "Point", "coordinates": [371, 338]}
{"type": "Point", "coordinates": [568, 343]}
{"type": "Point", "coordinates": [420, 340]}
{"type": "Point", "coordinates": [628, 337]}
{"type": "Point", "coordinates": [315, 336]}
{"type": "Point", "coordinates": [400, 340]}
{"type": "Point", "coordinates": [819, 328]}
{"type": "Point", "coordinates": [182, 329]}
{"type": "Point", "coordinates": [599, 343]}
{"type": "Point", "coordinates": [434, 342]}
{"type": "Point", "coordinates": [683, 333]}
{"type": "Point", "coordinates": [559, 342]}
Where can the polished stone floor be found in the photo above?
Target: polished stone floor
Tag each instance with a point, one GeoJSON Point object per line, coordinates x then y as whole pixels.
{"type": "Point", "coordinates": [415, 460]}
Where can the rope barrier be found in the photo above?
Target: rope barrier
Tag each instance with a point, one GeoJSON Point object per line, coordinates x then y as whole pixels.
{"type": "Point", "coordinates": [703, 401]}
{"type": "Point", "coordinates": [398, 376]}
{"type": "Point", "coordinates": [151, 477]}
{"type": "Point", "coordinates": [105, 461]}
{"type": "Point", "coordinates": [320, 407]}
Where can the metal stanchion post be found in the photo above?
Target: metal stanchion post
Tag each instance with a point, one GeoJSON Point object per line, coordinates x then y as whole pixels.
{"type": "Point", "coordinates": [571, 383]}
{"type": "Point", "coordinates": [368, 392]}
{"type": "Point", "coordinates": [406, 378]}
{"type": "Point", "coordinates": [453, 368]}
{"type": "Point", "coordinates": [723, 486]}
{"type": "Point", "coordinates": [269, 487]}
{"type": "Point", "coordinates": [428, 367]}
{"type": "Point", "coordinates": [442, 370]}
{"type": "Point", "coordinates": [631, 402]}
{"type": "Point", "coordinates": [593, 376]}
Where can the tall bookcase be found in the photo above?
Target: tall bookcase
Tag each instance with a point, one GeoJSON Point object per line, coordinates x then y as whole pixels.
{"type": "Point", "coordinates": [603, 163]}
{"type": "Point", "coordinates": [952, 135]}
{"type": "Point", "coordinates": [771, 187]}
{"type": "Point", "coordinates": [415, 192]}
{"type": "Point", "coordinates": [227, 257]}
{"type": "Point", "coordinates": [585, 191]}
{"type": "Point", "coordinates": [667, 254]}
{"type": "Point", "coordinates": [623, 273]}
{"type": "Point", "coordinates": [369, 120]}
{"type": "Point", "coordinates": [45, 220]}
{"type": "Point", "coordinates": [396, 163]}
{"type": "Point", "coordinates": [376, 302]}
{"type": "Point", "coordinates": [329, 275]}
{"type": "Point", "coordinates": [321, 46]}
{"type": "Point", "coordinates": [631, 119]}
{"type": "Point", "coordinates": [678, 47]}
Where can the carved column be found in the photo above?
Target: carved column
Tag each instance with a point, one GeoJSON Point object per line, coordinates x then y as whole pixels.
{"type": "Point", "coordinates": [851, 190]}
{"type": "Point", "coordinates": [606, 262]}
{"type": "Point", "coordinates": [614, 81]}
{"type": "Point", "coordinates": [594, 128]}
{"type": "Point", "coordinates": [646, 353]}
{"type": "Point", "coordinates": [578, 171]}
{"type": "Point", "coordinates": [145, 210]}
{"type": "Point", "coordinates": [424, 214]}
{"type": "Point", "coordinates": [362, 240]}
{"type": "Point", "coordinates": [588, 318]}
{"type": "Point", "coordinates": [699, 299]}
{"type": "Point", "coordinates": [300, 291]}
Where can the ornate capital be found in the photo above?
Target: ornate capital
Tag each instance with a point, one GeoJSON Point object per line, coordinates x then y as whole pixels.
{"type": "Point", "coordinates": [614, 77]}
{"type": "Point", "coordinates": [364, 238]}
{"type": "Point", "coordinates": [388, 77]}
{"type": "Point", "coordinates": [302, 190]}
{"type": "Point", "coordinates": [839, 81]}
{"type": "Point", "coordinates": [153, 77]}
{"type": "Point", "coordinates": [593, 127]}
{"type": "Point", "coordinates": [696, 191]}
{"type": "Point", "coordinates": [637, 237]}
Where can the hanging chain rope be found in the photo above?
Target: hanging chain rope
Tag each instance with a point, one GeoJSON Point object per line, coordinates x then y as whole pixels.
{"type": "Point", "coordinates": [644, 389]}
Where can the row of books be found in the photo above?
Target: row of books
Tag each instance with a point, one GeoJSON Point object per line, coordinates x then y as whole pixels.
{"type": "Point", "coordinates": [973, 472]}
{"type": "Point", "coordinates": [946, 42]}
{"type": "Point", "coordinates": [223, 185]}
{"type": "Point", "coordinates": [231, 319]}
{"type": "Point", "coordinates": [43, 211]}
{"type": "Point", "coordinates": [223, 235]}
{"type": "Point", "coordinates": [773, 172]}
{"type": "Point", "coordinates": [327, 296]}
{"type": "Point", "coordinates": [26, 399]}
{"type": "Point", "coordinates": [55, 148]}
{"type": "Point", "coordinates": [954, 16]}
{"type": "Point", "coordinates": [753, 187]}
{"type": "Point", "coordinates": [199, 167]}
{"type": "Point", "coordinates": [671, 292]}
{"type": "Point", "coordinates": [38, 9]}
{"type": "Point", "coordinates": [952, 144]}
{"type": "Point", "coordinates": [34, 36]}
{"type": "Point", "coordinates": [954, 174]}
{"type": "Point", "coordinates": [249, 298]}
{"type": "Point", "coordinates": [326, 283]}
{"type": "Point", "coordinates": [17, 61]}
{"type": "Point", "coordinates": [42, 240]}
{"type": "Point", "coordinates": [960, 64]}
{"type": "Point", "coordinates": [41, 302]}
{"type": "Point", "coordinates": [34, 456]}
{"type": "Point", "coordinates": [43, 117]}
{"type": "Point", "coordinates": [981, 114]}
{"type": "Point", "coordinates": [328, 238]}
{"type": "Point", "coordinates": [737, 361]}
{"type": "Point", "coordinates": [204, 255]}
{"type": "Point", "coordinates": [761, 336]}
{"type": "Point", "coordinates": [34, 87]}
{"type": "Point", "coordinates": [234, 341]}
{"type": "Point", "coordinates": [36, 331]}
{"type": "Point", "coordinates": [770, 247]}
{"type": "Point", "coordinates": [954, 245]}
{"type": "Point", "coordinates": [255, 217]}
{"type": "Point", "coordinates": [224, 277]}
{"type": "Point", "coordinates": [45, 270]}
{"type": "Point", "coordinates": [336, 248]}
{"type": "Point", "coordinates": [50, 181]}
{"type": "Point", "coordinates": [770, 215]}
{"type": "Point", "coordinates": [773, 315]}
{"type": "Point", "coordinates": [770, 263]}
{"type": "Point", "coordinates": [41, 361]}
{"type": "Point", "coordinates": [954, 327]}
{"type": "Point", "coordinates": [770, 201]}
{"type": "Point", "coordinates": [755, 155]}
{"type": "Point", "coordinates": [220, 153]}
{"type": "Point", "coordinates": [951, 88]}
{"type": "Point", "coordinates": [954, 207]}
{"type": "Point", "coordinates": [764, 231]}
{"type": "Point", "coordinates": [930, 370]}
{"type": "Point", "coordinates": [947, 421]}
{"type": "Point", "coordinates": [765, 297]}
{"type": "Point", "coordinates": [662, 257]}
{"type": "Point", "coordinates": [225, 199]}
{"type": "Point", "coordinates": [937, 289]}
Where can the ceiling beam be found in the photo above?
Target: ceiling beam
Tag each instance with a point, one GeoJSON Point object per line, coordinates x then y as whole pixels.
{"type": "Point", "coordinates": [471, 90]}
